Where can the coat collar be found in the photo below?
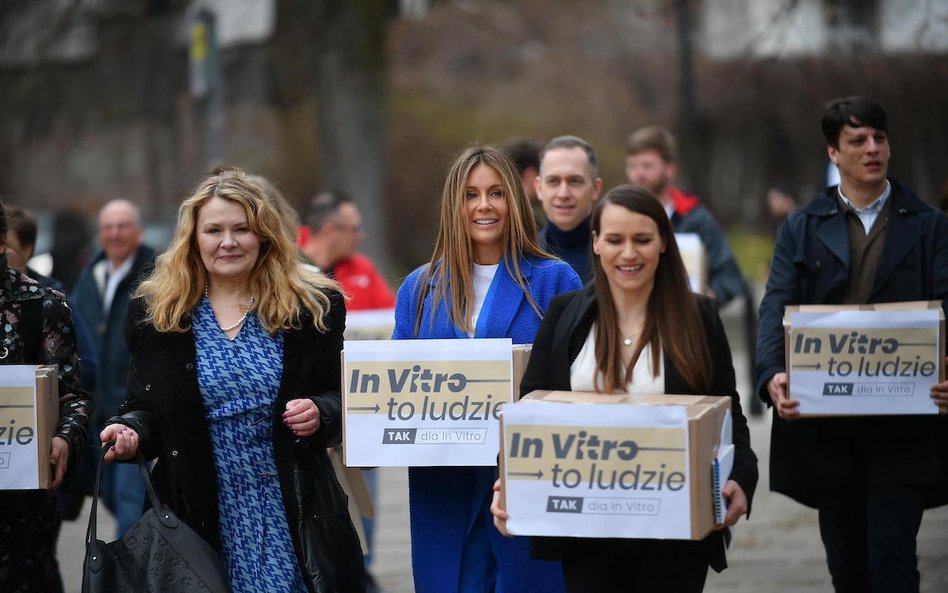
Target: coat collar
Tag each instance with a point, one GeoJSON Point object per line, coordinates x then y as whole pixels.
{"type": "Point", "coordinates": [903, 230]}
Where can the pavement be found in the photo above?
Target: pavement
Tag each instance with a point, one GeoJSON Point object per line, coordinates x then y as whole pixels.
{"type": "Point", "coordinates": [777, 551]}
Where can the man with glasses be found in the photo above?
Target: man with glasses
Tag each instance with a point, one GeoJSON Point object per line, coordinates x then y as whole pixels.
{"type": "Point", "coordinates": [335, 232]}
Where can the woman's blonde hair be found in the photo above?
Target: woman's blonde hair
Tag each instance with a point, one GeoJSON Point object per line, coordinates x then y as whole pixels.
{"type": "Point", "coordinates": [281, 285]}
{"type": "Point", "coordinates": [452, 263]}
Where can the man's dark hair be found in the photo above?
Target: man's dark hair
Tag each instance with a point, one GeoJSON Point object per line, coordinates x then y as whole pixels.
{"type": "Point", "coordinates": [524, 152]}
{"type": "Point", "coordinates": [22, 222]}
{"type": "Point", "coordinates": [853, 112]}
{"type": "Point", "coordinates": [323, 206]}
{"type": "Point", "coordinates": [575, 142]}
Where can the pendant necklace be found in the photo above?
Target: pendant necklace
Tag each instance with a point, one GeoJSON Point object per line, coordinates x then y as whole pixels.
{"type": "Point", "coordinates": [629, 340]}
{"type": "Point", "coordinates": [237, 323]}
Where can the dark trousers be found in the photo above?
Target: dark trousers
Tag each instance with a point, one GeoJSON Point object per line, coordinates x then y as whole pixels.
{"type": "Point", "coordinates": [869, 536]}
{"type": "Point", "coordinates": [668, 566]}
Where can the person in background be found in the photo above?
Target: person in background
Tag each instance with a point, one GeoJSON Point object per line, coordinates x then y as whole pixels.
{"type": "Point", "coordinates": [568, 185]}
{"type": "Point", "coordinates": [638, 328]}
{"type": "Point", "coordinates": [20, 240]}
{"type": "Point", "coordinates": [525, 154]}
{"type": "Point", "coordinates": [234, 389]}
{"type": "Point", "coordinates": [779, 204]}
{"type": "Point", "coordinates": [72, 247]}
{"type": "Point", "coordinates": [37, 329]}
{"type": "Point", "coordinates": [651, 163]}
{"type": "Point", "coordinates": [101, 295]}
{"type": "Point", "coordinates": [487, 278]}
{"type": "Point", "coordinates": [868, 240]}
{"type": "Point", "coordinates": [334, 237]}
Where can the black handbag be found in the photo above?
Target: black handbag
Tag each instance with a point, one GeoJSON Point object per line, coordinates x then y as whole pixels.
{"type": "Point", "coordinates": [158, 554]}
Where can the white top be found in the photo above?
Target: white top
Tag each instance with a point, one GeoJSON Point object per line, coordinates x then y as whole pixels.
{"type": "Point", "coordinates": [583, 369]}
{"type": "Point", "coordinates": [108, 277]}
{"type": "Point", "coordinates": [483, 276]}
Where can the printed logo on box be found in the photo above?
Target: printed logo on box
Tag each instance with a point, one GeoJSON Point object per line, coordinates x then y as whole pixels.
{"type": "Point", "coordinates": [880, 368]}
{"type": "Point", "coordinates": [439, 407]}
{"type": "Point", "coordinates": [598, 460]}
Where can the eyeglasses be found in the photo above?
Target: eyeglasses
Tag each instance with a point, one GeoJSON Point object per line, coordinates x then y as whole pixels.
{"type": "Point", "coordinates": [349, 228]}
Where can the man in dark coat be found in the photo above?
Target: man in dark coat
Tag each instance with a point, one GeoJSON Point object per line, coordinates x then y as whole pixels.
{"type": "Point", "coordinates": [867, 240]}
{"type": "Point", "coordinates": [101, 296]}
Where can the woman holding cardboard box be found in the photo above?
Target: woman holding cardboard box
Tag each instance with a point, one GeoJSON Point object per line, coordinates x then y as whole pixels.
{"type": "Point", "coordinates": [36, 329]}
{"type": "Point", "coordinates": [487, 278]}
{"type": "Point", "coordinates": [638, 328]}
{"type": "Point", "coordinates": [234, 388]}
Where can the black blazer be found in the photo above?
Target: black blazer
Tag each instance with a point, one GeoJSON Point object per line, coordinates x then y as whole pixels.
{"type": "Point", "coordinates": [561, 336]}
{"type": "Point", "coordinates": [165, 407]}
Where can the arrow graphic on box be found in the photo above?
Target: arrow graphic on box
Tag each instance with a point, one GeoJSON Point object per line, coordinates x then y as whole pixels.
{"type": "Point", "coordinates": [807, 366]}
{"type": "Point", "coordinates": [536, 474]}
{"type": "Point", "coordinates": [374, 409]}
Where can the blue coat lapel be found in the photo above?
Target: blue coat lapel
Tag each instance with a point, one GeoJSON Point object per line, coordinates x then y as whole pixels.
{"type": "Point", "coordinates": [506, 302]}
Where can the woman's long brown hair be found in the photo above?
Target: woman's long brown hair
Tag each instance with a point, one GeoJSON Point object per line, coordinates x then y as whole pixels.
{"type": "Point", "coordinates": [452, 262]}
{"type": "Point", "coordinates": [672, 320]}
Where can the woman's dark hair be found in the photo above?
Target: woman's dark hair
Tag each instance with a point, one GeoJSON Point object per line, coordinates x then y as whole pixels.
{"type": "Point", "coordinates": [3, 223]}
{"type": "Point", "coordinates": [672, 322]}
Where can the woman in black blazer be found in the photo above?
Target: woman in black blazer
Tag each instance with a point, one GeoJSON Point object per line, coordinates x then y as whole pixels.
{"type": "Point", "coordinates": [638, 328]}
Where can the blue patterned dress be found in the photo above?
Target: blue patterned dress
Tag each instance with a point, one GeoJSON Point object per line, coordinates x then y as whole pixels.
{"type": "Point", "coordinates": [239, 381]}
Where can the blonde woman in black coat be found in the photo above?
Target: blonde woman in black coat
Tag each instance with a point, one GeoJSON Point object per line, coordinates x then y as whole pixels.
{"type": "Point", "coordinates": [234, 389]}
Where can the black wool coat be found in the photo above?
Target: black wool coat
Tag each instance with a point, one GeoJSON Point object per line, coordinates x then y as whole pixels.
{"type": "Point", "coordinates": [558, 342]}
{"type": "Point", "coordinates": [165, 406]}
{"type": "Point", "coordinates": [811, 264]}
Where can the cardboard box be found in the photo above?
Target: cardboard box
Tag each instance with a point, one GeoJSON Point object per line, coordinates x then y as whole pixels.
{"type": "Point", "coordinates": [521, 357]}
{"type": "Point", "coordinates": [853, 360]}
{"type": "Point", "coordinates": [370, 324]}
{"type": "Point", "coordinates": [410, 403]}
{"type": "Point", "coordinates": [695, 258]}
{"type": "Point", "coordinates": [647, 466]}
{"type": "Point", "coordinates": [29, 413]}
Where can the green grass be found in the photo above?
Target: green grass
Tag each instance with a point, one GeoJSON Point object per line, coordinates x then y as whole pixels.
{"type": "Point", "coordinates": [753, 252]}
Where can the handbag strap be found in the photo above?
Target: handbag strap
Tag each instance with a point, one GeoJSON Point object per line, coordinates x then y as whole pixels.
{"type": "Point", "coordinates": [146, 476]}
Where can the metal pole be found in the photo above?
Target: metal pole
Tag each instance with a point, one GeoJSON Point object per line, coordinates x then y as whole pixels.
{"type": "Point", "coordinates": [207, 80]}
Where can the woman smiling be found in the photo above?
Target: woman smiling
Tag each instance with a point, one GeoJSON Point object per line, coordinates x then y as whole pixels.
{"type": "Point", "coordinates": [487, 278]}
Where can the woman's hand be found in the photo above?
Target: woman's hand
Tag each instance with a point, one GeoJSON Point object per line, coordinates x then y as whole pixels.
{"type": "Point", "coordinates": [939, 392]}
{"type": "Point", "coordinates": [736, 503]}
{"type": "Point", "coordinates": [500, 515]}
{"type": "Point", "coordinates": [126, 442]}
{"type": "Point", "coordinates": [785, 407]}
{"type": "Point", "coordinates": [59, 459]}
{"type": "Point", "coordinates": [301, 417]}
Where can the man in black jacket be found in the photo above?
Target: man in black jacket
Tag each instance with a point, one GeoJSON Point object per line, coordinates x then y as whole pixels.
{"type": "Point", "coordinates": [868, 240]}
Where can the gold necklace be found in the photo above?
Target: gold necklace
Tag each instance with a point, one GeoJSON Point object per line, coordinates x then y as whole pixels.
{"type": "Point", "coordinates": [237, 323]}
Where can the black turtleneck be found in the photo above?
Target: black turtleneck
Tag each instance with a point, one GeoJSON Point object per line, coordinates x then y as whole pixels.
{"type": "Point", "coordinates": [573, 247]}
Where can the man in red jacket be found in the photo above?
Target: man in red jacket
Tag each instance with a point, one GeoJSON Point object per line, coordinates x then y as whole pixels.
{"type": "Point", "coordinates": [335, 234]}
{"type": "Point", "coordinates": [651, 163]}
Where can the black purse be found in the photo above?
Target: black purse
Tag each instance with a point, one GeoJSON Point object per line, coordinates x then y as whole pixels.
{"type": "Point", "coordinates": [158, 554]}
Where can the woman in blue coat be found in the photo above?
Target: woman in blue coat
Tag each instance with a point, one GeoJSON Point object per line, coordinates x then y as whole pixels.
{"type": "Point", "coordinates": [487, 278]}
